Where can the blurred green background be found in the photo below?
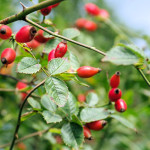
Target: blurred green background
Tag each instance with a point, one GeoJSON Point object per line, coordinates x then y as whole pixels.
{"type": "Point", "coordinates": [135, 91]}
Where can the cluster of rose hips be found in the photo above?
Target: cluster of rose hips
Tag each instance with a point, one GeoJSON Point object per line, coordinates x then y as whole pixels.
{"type": "Point", "coordinates": [93, 10]}
{"type": "Point", "coordinates": [115, 93]}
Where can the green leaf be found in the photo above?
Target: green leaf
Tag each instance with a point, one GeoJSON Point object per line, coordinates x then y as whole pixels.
{"type": "Point", "coordinates": [51, 117]}
{"type": "Point", "coordinates": [124, 122]}
{"type": "Point", "coordinates": [72, 134]}
{"type": "Point", "coordinates": [58, 65]}
{"type": "Point", "coordinates": [27, 115]}
{"type": "Point", "coordinates": [51, 44]}
{"type": "Point", "coordinates": [34, 103]}
{"type": "Point", "coordinates": [137, 51]}
{"type": "Point", "coordinates": [92, 99]}
{"type": "Point", "coordinates": [75, 119]}
{"type": "Point", "coordinates": [74, 62]}
{"type": "Point", "coordinates": [71, 33]}
{"type": "Point", "coordinates": [57, 90]}
{"type": "Point", "coordinates": [71, 106]}
{"type": "Point", "coordinates": [28, 65]}
{"type": "Point", "coordinates": [121, 56]}
{"type": "Point", "coordinates": [48, 103]}
{"type": "Point", "coordinates": [93, 114]}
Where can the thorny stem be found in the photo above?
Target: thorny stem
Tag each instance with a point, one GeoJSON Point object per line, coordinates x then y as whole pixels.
{"type": "Point", "coordinates": [21, 15]}
{"type": "Point", "coordinates": [62, 37]}
{"type": "Point", "coordinates": [20, 112]}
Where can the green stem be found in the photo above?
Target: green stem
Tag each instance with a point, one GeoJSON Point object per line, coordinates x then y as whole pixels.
{"type": "Point", "coordinates": [62, 37]}
{"type": "Point", "coordinates": [144, 77]}
{"type": "Point", "coordinates": [21, 15]}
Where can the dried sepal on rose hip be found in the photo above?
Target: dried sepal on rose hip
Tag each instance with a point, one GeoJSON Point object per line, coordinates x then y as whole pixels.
{"type": "Point", "coordinates": [87, 71]}
{"type": "Point", "coordinates": [25, 34]}
{"type": "Point", "coordinates": [120, 105]}
{"type": "Point", "coordinates": [96, 125]}
{"type": "Point", "coordinates": [51, 55]}
{"type": "Point", "coordinates": [115, 80]}
{"type": "Point", "coordinates": [114, 94]}
{"type": "Point", "coordinates": [5, 32]}
{"type": "Point", "coordinates": [87, 133]}
{"type": "Point", "coordinates": [61, 49]}
{"type": "Point", "coordinates": [8, 56]}
{"type": "Point", "coordinates": [45, 11]}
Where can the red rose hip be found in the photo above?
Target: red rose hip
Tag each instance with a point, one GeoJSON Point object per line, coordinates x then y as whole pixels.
{"type": "Point", "coordinates": [96, 125]}
{"type": "Point", "coordinates": [5, 32]}
{"type": "Point", "coordinates": [46, 11]}
{"type": "Point", "coordinates": [81, 98]}
{"type": "Point", "coordinates": [61, 49]}
{"type": "Point", "coordinates": [51, 55]}
{"type": "Point", "coordinates": [115, 80]}
{"type": "Point", "coordinates": [55, 5]}
{"type": "Point", "coordinates": [120, 105]}
{"type": "Point", "coordinates": [90, 25]}
{"type": "Point", "coordinates": [87, 133]}
{"type": "Point", "coordinates": [80, 23]}
{"type": "Point", "coordinates": [25, 34]}
{"type": "Point", "coordinates": [114, 94]}
{"type": "Point", "coordinates": [33, 44]}
{"type": "Point", "coordinates": [92, 9]}
{"type": "Point", "coordinates": [87, 71]}
{"type": "Point", "coordinates": [8, 56]}
{"type": "Point", "coordinates": [103, 14]}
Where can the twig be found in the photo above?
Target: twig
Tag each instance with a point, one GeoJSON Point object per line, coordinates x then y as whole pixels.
{"type": "Point", "coordinates": [62, 37]}
{"type": "Point", "coordinates": [20, 112]}
{"type": "Point", "coordinates": [21, 15]}
{"type": "Point", "coordinates": [27, 137]}
{"type": "Point", "coordinates": [14, 90]}
{"type": "Point", "coordinates": [16, 79]}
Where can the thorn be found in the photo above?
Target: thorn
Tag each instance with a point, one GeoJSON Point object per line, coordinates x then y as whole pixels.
{"type": "Point", "coordinates": [23, 6]}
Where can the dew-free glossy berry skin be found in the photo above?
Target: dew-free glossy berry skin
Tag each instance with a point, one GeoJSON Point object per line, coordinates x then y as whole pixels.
{"type": "Point", "coordinates": [92, 9]}
{"type": "Point", "coordinates": [25, 34]}
{"type": "Point", "coordinates": [40, 37]}
{"type": "Point", "coordinates": [87, 133]}
{"type": "Point", "coordinates": [55, 5]}
{"type": "Point", "coordinates": [5, 32]}
{"type": "Point", "coordinates": [87, 71]}
{"type": "Point", "coordinates": [115, 80]}
{"type": "Point", "coordinates": [61, 49]}
{"type": "Point", "coordinates": [46, 11]}
{"type": "Point", "coordinates": [51, 55]}
{"type": "Point", "coordinates": [114, 94]}
{"type": "Point", "coordinates": [33, 44]}
{"type": "Point", "coordinates": [8, 56]}
{"type": "Point", "coordinates": [80, 23]}
{"type": "Point", "coordinates": [103, 14]}
{"type": "Point", "coordinates": [21, 85]}
{"type": "Point", "coordinates": [90, 25]}
{"type": "Point", "coordinates": [96, 125]}
{"type": "Point", "coordinates": [81, 98]}
{"type": "Point", "coordinates": [120, 105]}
